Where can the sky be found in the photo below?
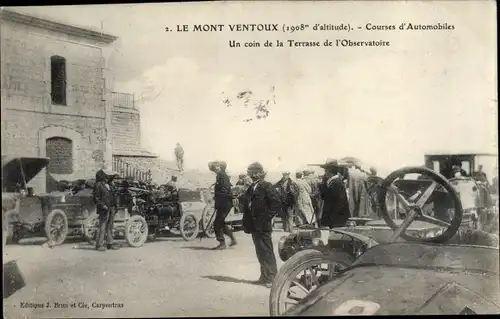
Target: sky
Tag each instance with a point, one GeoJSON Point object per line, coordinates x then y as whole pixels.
{"type": "Point", "coordinates": [429, 91]}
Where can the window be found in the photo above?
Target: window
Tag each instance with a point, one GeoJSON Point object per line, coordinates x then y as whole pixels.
{"type": "Point", "coordinates": [60, 152]}
{"type": "Point", "coordinates": [58, 80]}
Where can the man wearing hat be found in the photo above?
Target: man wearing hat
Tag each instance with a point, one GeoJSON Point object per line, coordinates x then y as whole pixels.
{"type": "Point", "coordinates": [261, 204]}
{"type": "Point", "coordinates": [223, 199]}
{"type": "Point", "coordinates": [333, 192]}
{"type": "Point", "coordinates": [105, 201]}
{"type": "Point", "coordinates": [286, 191]}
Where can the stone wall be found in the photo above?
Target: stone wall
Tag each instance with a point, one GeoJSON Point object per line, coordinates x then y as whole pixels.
{"type": "Point", "coordinates": [28, 116]}
{"type": "Point", "coordinates": [126, 129]}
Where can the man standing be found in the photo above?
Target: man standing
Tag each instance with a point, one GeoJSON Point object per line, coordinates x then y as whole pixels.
{"type": "Point", "coordinates": [179, 156]}
{"type": "Point", "coordinates": [106, 208]}
{"type": "Point", "coordinates": [333, 192]}
{"type": "Point", "coordinates": [261, 204]}
{"type": "Point", "coordinates": [286, 194]}
{"type": "Point", "coordinates": [313, 182]}
{"type": "Point", "coordinates": [223, 199]}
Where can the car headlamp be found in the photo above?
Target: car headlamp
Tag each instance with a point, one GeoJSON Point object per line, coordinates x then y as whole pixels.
{"type": "Point", "coordinates": [281, 243]}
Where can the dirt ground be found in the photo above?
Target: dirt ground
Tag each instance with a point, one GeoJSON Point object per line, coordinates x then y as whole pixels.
{"type": "Point", "coordinates": [167, 277]}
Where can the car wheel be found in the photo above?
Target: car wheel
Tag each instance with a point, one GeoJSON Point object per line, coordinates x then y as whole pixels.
{"type": "Point", "coordinates": [207, 220]}
{"type": "Point", "coordinates": [56, 227]}
{"type": "Point", "coordinates": [136, 231]}
{"type": "Point", "coordinates": [301, 274]}
{"type": "Point", "coordinates": [90, 228]}
{"type": "Point", "coordinates": [189, 226]}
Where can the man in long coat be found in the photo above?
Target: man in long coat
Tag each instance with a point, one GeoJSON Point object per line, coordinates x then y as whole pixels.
{"type": "Point", "coordinates": [335, 205]}
{"type": "Point", "coordinates": [261, 204]}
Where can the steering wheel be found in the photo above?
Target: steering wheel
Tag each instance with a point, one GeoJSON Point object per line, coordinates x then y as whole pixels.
{"type": "Point", "coordinates": [415, 204]}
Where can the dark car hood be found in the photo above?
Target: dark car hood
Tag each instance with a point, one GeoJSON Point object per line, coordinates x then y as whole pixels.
{"type": "Point", "coordinates": [13, 169]}
{"type": "Point", "coordinates": [379, 290]}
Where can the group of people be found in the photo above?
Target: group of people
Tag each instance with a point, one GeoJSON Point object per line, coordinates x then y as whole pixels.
{"type": "Point", "coordinates": [322, 201]}
{"type": "Point", "coordinates": [341, 192]}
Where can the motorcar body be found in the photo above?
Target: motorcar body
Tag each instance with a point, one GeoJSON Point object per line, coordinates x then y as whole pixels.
{"type": "Point", "coordinates": [26, 213]}
{"type": "Point", "coordinates": [452, 271]}
{"type": "Point", "coordinates": [411, 278]}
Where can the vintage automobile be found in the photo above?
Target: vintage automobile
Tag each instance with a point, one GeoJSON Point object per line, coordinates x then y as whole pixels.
{"type": "Point", "coordinates": [479, 200]}
{"type": "Point", "coordinates": [234, 218]}
{"type": "Point", "coordinates": [53, 215]}
{"type": "Point", "coordinates": [308, 258]}
{"type": "Point", "coordinates": [142, 214]}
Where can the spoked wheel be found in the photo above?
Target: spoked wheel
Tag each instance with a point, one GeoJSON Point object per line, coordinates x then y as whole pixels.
{"type": "Point", "coordinates": [90, 228]}
{"type": "Point", "coordinates": [414, 196]}
{"type": "Point", "coordinates": [301, 274]}
{"type": "Point", "coordinates": [56, 227]}
{"type": "Point", "coordinates": [189, 226]}
{"type": "Point", "coordinates": [10, 221]}
{"type": "Point", "coordinates": [136, 231]}
{"type": "Point", "coordinates": [207, 220]}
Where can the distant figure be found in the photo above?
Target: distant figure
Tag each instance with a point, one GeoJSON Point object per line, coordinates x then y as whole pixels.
{"type": "Point", "coordinates": [480, 176]}
{"type": "Point", "coordinates": [286, 191]}
{"type": "Point", "coordinates": [303, 203]}
{"type": "Point", "coordinates": [313, 182]}
{"type": "Point", "coordinates": [172, 183]}
{"type": "Point", "coordinates": [494, 186]}
{"type": "Point", "coordinates": [179, 156]}
{"type": "Point", "coordinates": [244, 180]}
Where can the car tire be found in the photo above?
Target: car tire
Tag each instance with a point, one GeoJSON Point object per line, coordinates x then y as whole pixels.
{"type": "Point", "coordinates": [136, 241]}
{"type": "Point", "coordinates": [91, 228]}
{"type": "Point", "coordinates": [186, 235]}
{"type": "Point", "coordinates": [56, 216]}
{"type": "Point", "coordinates": [207, 221]}
{"type": "Point", "coordinates": [296, 264]}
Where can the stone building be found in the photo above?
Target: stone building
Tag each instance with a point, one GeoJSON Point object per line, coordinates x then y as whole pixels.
{"type": "Point", "coordinates": [57, 100]}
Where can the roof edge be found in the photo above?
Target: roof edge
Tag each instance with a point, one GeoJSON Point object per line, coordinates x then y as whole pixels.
{"type": "Point", "coordinates": [57, 26]}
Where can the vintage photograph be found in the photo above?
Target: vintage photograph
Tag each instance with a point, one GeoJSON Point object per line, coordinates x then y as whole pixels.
{"type": "Point", "coordinates": [250, 158]}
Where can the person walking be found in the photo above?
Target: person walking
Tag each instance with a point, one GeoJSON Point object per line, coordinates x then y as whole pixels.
{"type": "Point", "coordinates": [261, 204]}
{"type": "Point", "coordinates": [335, 205]}
{"type": "Point", "coordinates": [104, 199]}
{"type": "Point", "coordinates": [285, 190]}
{"type": "Point", "coordinates": [223, 199]}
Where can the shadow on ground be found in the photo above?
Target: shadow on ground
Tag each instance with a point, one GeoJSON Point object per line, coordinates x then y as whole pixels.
{"type": "Point", "coordinates": [198, 248]}
{"type": "Point", "coordinates": [233, 280]}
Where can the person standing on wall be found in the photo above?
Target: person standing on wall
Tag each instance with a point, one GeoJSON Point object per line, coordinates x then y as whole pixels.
{"type": "Point", "coordinates": [261, 204]}
{"type": "Point", "coordinates": [179, 156]}
{"type": "Point", "coordinates": [223, 200]}
{"type": "Point", "coordinates": [104, 199]}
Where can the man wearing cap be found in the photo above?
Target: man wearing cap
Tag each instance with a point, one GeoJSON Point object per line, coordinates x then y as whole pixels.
{"type": "Point", "coordinates": [223, 199]}
{"type": "Point", "coordinates": [333, 192]}
{"type": "Point", "coordinates": [286, 191]}
{"type": "Point", "coordinates": [261, 205]}
{"type": "Point", "coordinates": [104, 199]}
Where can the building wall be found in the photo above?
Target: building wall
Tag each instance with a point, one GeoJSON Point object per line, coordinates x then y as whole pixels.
{"type": "Point", "coordinates": [28, 116]}
{"type": "Point", "coordinates": [126, 129]}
